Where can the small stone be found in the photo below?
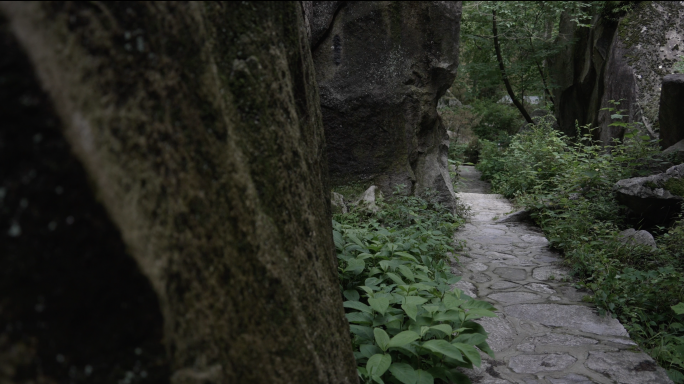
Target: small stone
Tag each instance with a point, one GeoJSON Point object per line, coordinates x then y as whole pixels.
{"type": "Point", "coordinates": [534, 239]}
{"type": "Point", "coordinates": [632, 236]}
{"type": "Point", "coordinates": [527, 347]}
{"type": "Point", "coordinates": [540, 363]}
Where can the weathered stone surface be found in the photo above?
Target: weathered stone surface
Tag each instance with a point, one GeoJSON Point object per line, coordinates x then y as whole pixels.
{"type": "Point", "coordinates": [368, 198]}
{"type": "Point", "coordinates": [543, 288]}
{"type": "Point", "coordinates": [515, 274]}
{"type": "Point", "coordinates": [571, 379]}
{"type": "Point", "coordinates": [676, 151]}
{"type": "Point", "coordinates": [514, 297]}
{"type": "Point", "coordinates": [649, 197]}
{"type": "Point", "coordinates": [561, 339]}
{"type": "Point", "coordinates": [621, 59]}
{"type": "Point", "coordinates": [570, 316]}
{"type": "Point", "coordinates": [548, 273]}
{"type": "Point", "coordinates": [671, 113]}
{"type": "Point", "coordinates": [379, 110]}
{"type": "Point", "coordinates": [627, 368]}
{"type": "Point", "coordinates": [541, 363]}
{"type": "Point", "coordinates": [199, 126]}
{"type": "Point", "coordinates": [501, 333]}
{"type": "Point", "coordinates": [337, 203]}
{"type": "Point", "coordinates": [632, 236]}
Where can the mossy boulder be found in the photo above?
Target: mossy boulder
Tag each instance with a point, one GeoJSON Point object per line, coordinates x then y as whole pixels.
{"type": "Point", "coordinates": [199, 126]}
{"type": "Point", "coordinates": [381, 68]}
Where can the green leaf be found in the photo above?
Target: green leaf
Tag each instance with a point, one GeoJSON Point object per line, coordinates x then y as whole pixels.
{"type": "Point", "coordinates": [415, 300]}
{"type": "Point", "coordinates": [450, 315]}
{"type": "Point", "coordinates": [355, 266]}
{"type": "Point", "coordinates": [368, 350]}
{"type": "Point", "coordinates": [378, 364]}
{"type": "Point", "coordinates": [484, 347]}
{"type": "Point", "coordinates": [403, 338]}
{"type": "Point", "coordinates": [411, 310]}
{"type": "Point", "coordinates": [678, 309]}
{"type": "Point", "coordinates": [450, 301]}
{"type": "Point", "coordinates": [378, 379]}
{"type": "Point", "coordinates": [406, 271]}
{"type": "Point", "coordinates": [445, 328]}
{"type": "Point", "coordinates": [351, 294]}
{"type": "Point", "coordinates": [424, 377]}
{"type": "Point", "coordinates": [470, 352]}
{"type": "Point", "coordinates": [358, 306]}
{"type": "Point", "coordinates": [381, 338]}
{"type": "Point", "coordinates": [359, 318]}
{"type": "Point", "coordinates": [477, 313]}
{"type": "Point", "coordinates": [470, 338]}
{"type": "Point", "coordinates": [404, 373]}
{"type": "Point", "coordinates": [380, 304]}
{"type": "Point", "coordinates": [406, 256]}
{"type": "Point", "coordinates": [443, 347]}
{"type": "Point", "coordinates": [395, 278]}
{"type": "Point", "coordinates": [360, 330]}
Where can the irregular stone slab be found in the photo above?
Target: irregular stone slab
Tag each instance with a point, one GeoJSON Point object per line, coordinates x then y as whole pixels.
{"type": "Point", "coordinates": [537, 287]}
{"type": "Point", "coordinates": [534, 239]}
{"type": "Point", "coordinates": [498, 256]}
{"type": "Point", "coordinates": [499, 285]}
{"type": "Point", "coordinates": [480, 278]}
{"type": "Point", "coordinates": [484, 239]}
{"type": "Point", "coordinates": [501, 333]}
{"type": "Point", "coordinates": [561, 339]}
{"type": "Point", "coordinates": [541, 363]}
{"type": "Point", "coordinates": [627, 368]}
{"type": "Point", "coordinates": [514, 297]}
{"type": "Point", "coordinates": [477, 267]}
{"type": "Point", "coordinates": [493, 231]}
{"type": "Point", "coordinates": [619, 340]}
{"type": "Point", "coordinates": [515, 274]}
{"type": "Point", "coordinates": [571, 379]}
{"type": "Point", "coordinates": [570, 316]}
{"type": "Point", "coordinates": [545, 273]}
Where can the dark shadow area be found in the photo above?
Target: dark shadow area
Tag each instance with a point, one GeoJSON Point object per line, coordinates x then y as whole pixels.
{"type": "Point", "coordinates": [74, 308]}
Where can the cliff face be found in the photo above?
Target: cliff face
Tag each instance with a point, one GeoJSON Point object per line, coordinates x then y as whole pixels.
{"type": "Point", "coordinates": [381, 68]}
{"type": "Point", "coordinates": [617, 59]}
{"type": "Point", "coordinates": [199, 127]}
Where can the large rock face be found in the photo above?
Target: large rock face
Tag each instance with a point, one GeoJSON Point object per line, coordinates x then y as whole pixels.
{"type": "Point", "coordinates": [381, 68]}
{"type": "Point", "coordinates": [199, 125]}
{"type": "Point", "coordinates": [671, 114]}
{"type": "Point", "coordinates": [617, 59]}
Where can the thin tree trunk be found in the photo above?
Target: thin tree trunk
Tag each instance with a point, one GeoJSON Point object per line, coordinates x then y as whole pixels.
{"type": "Point", "coordinates": [507, 83]}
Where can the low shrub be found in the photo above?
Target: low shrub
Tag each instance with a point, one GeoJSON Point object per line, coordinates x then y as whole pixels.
{"type": "Point", "coordinates": [568, 187]}
{"type": "Point", "coordinates": [408, 325]}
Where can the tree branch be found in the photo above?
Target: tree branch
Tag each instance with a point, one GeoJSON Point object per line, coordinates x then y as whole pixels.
{"type": "Point", "coordinates": [506, 81]}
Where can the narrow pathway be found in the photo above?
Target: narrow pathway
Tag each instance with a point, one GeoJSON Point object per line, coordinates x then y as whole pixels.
{"type": "Point", "coordinates": [544, 332]}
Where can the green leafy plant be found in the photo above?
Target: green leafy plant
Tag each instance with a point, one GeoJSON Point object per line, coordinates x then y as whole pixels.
{"type": "Point", "coordinates": [408, 325]}
{"type": "Point", "coordinates": [567, 184]}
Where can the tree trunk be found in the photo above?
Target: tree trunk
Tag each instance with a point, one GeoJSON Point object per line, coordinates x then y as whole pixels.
{"type": "Point", "coordinates": [504, 76]}
{"type": "Point", "coordinates": [200, 127]}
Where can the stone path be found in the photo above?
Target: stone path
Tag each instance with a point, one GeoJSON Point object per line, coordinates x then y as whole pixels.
{"type": "Point", "coordinates": [544, 332]}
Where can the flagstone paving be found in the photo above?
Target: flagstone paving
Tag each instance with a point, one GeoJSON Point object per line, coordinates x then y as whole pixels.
{"type": "Point", "coordinates": [545, 333]}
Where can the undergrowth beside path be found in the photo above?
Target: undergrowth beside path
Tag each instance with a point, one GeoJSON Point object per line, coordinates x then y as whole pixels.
{"type": "Point", "coordinates": [408, 325]}
{"type": "Point", "coordinates": [567, 185]}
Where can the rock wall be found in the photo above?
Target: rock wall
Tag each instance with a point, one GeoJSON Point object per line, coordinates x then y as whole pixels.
{"type": "Point", "coordinates": [381, 68]}
{"type": "Point", "coordinates": [671, 112]}
{"type": "Point", "coordinates": [199, 126]}
{"type": "Point", "coordinates": [616, 59]}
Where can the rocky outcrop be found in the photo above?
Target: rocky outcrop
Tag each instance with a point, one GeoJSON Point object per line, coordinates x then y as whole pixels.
{"type": "Point", "coordinates": [671, 113]}
{"type": "Point", "coordinates": [633, 237]}
{"type": "Point", "coordinates": [199, 126]}
{"type": "Point", "coordinates": [381, 68]}
{"type": "Point", "coordinates": [616, 59]}
{"type": "Point", "coordinates": [657, 199]}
